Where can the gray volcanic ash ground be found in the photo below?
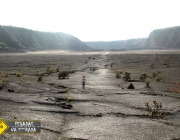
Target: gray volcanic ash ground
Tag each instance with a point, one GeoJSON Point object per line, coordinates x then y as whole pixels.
{"type": "Point", "coordinates": [106, 109]}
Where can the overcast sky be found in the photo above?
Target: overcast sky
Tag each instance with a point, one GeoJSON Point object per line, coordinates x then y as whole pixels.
{"type": "Point", "coordinates": [92, 20]}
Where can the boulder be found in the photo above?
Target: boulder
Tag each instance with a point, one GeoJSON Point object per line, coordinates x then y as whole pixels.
{"type": "Point", "coordinates": [131, 86]}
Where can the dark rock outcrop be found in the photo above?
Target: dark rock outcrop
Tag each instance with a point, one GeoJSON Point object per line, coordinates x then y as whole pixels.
{"type": "Point", "coordinates": [131, 86]}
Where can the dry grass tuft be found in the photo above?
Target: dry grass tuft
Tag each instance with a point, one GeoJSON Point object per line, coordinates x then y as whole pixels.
{"type": "Point", "coordinates": [175, 89]}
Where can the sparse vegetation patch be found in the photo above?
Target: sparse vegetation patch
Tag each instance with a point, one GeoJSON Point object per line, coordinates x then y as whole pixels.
{"type": "Point", "coordinates": [40, 79]}
{"type": "Point", "coordinates": [127, 76]}
{"type": "Point", "coordinates": [154, 109]}
{"type": "Point", "coordinates": [143, 76]}
{"type": "Point", "coordinates": [63, 74]}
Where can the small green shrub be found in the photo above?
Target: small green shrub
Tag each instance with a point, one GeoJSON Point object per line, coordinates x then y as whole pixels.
{"type": "Point", "coordinates": [127, 76]}
{"type": "Point", "coordinates": [112, 64]}
{"type": "Point", "coordinates": [63, 74]}
{"type": "Point", "coordinates": [38, 73]}
{"type": "Point", "coordinates": [48, 69]}
{"type": "Point", "coordinates": [154, 75]}
{"type": "Point", "coordinates": [119, 71]}
{"type": "Point", "coordinates": [66, 89]}
{"type": "Point", "coordinates": [143, 76]}
{"type": "Point", "coordinates": [40, 79]}
{"type": "Point", "coordinates": [159, 78]}
{"type": "Point", "coordinates": [118, 75]}
{"type": "Point", "coordinates": [18, 74]}
{"type": "Point", "coordinates": [69, 99]}
{"type": "Point", "coordinates": [57, 70]}
{"type": "Point", "coordinates": [154, 109]}
{"type": "Point", "coordinates": [152, 65]}
{"type": "Point", "coordinates": [147, 81]}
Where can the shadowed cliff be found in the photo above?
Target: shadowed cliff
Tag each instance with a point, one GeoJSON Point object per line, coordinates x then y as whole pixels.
{"type": "Point", "coordinates": [167, 38]}
{"type": "Point", "coordinates": [25, 39]}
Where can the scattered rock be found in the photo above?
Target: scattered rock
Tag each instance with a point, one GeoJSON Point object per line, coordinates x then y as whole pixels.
{"type": "Point", "coordinates": [59, 99]}
{"type": "Point", "coordinates": [51, 84]}
{"type": "Point", "coordinates": [135, 80]}
{"type": "Point", "coordinates": [10, 90]}
{"type": "Point", "coordinates": [69, 105]}
{"type": "Point", "coordinates": [50, 99]}
{"type": "Point", "coordinates": [66, 106]}
{"type": "Point", "coordinates": [60, 104]}
{"type": "Point", "coordinates": [98, 115]}
{"type": "Point", "coordinates": [131, 86]}
{"type": "Point", "coordinates": [99, 95]}
{"type": "Point", "coordinates": [62, 91]}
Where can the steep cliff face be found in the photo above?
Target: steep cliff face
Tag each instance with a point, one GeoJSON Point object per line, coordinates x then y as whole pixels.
{"type": "Point", "coordinates": [135, 43]}
{"type": "Point", "coordinates": [21, 38]}
{"type": "Point", "coordinates": [24, 39]}
{"type": "Point", "coordinates": [168, 38]}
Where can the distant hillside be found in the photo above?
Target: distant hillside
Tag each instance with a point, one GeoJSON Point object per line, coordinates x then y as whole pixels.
{"type": "Point", "coordinates": [118, 45]}
{"type": "Point", "coordinates": [14, 38]}
{"type": "Point", "coordinates": [24, 39]}
{"type": "Point", "coordinates": [167, 38]}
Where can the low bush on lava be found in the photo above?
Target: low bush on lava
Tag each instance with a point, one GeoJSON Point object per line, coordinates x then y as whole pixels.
{"type": "Point", "coordinates": [154, 109]}
{"type": "Point", "coordinates": [127, 76]}
{"type": "Point", "coordinates": [147, 81]}
{"type": "Point", "coordinates": [143, 76]}
{"type": "Point", "coordinates": [63, 74]}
